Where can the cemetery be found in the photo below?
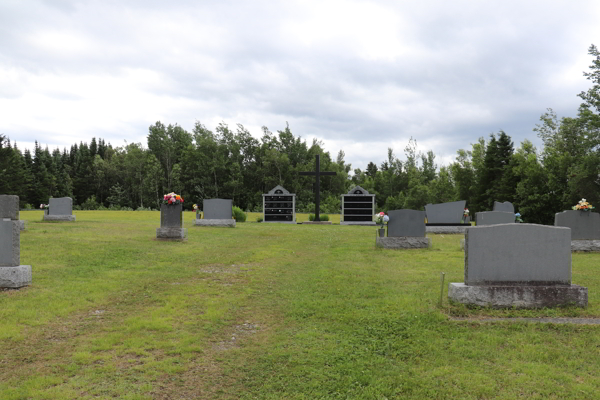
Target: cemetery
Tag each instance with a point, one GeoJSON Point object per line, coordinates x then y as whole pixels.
{"type": "Point", "coordinates": [262, 293]}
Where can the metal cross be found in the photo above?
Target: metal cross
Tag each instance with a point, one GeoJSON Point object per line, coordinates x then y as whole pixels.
{"type": "Point", "coordinates": [317, 174]}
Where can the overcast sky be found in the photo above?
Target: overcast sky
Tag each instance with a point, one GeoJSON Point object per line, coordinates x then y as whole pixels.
{"type": "Point", "coordinates": [361, 76]}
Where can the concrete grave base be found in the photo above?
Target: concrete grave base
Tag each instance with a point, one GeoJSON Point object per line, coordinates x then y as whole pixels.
{"type": "Point", "coordinates": [15, 277]}
{"type": "Point", "coordinates": [585, 245]}
{"type": "Point", "coordinates": [22, 225]}
{"type": "Point", "coordinates": [278, 222]}
{"type": "Point", "coordinates": [316, 223]}
{"type": "Point", "coordinates": [226, 223]}
{"type": "Point", "coordinates": [59, 217]}
{"type": "Point", "coordinates": [518, 296]}
{"type": "Point", "coordinates": [403, 242]}
{"type": "Point", "coordinates": [366, 223]}
{"type": "Point", "coordinates": [446, 230]}
{"type": "Point", "coordinates": [171, 233]}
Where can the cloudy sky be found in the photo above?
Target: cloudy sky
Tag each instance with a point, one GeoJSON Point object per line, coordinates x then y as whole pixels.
{"type": "Point", "coordinates": [361, 76]}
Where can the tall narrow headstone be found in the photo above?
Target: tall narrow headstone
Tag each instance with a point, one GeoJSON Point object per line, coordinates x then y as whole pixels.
{"type": "Point", "coordinates": [406, 230]}
{"type": "Point", "coordinates": [171, 223]}
{"type": "Point", "coordinates": [12, 273]}
{"type": "Point", "coordinates": [217, 212]}
{"type": "Point", "coordinates": [518, 265]}
{"type": "Point", "coordinates": [60, 209]}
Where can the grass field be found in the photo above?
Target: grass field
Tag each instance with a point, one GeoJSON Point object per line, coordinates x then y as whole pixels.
{"type": "Point", "coordinates": [270, 311]}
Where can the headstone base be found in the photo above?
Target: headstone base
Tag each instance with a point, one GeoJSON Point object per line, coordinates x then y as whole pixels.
{"type": "Point", "coordinates": [171, 233]}
{"type": "Point", "coordinates": [227, 223]}
{"type": "Point", "coordinates": [518, 296]}
{"type": "Point", "coordinates": [316, 223]}
{"type": "Point", "coordinates": [446, 230]}
{"type": "Point", "coordinates": [585, 245]}
{"type": "Point", "coordinates": [15, 277]}
{"type": "Point", "coordinates": [59, 217]}
{"type": "Point", "coordinates": [367, 223]}
{"type": "Point", "coordinates": [22, 225]}
{"type": "Point", "coordinates": [279, 222]}
{"type": "Point", "coordinates": [403, 242]}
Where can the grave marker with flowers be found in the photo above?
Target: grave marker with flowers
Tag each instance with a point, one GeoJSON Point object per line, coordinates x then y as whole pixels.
{"type": "Point", "coordinates": [171, 218]}
{"type": "Point", "coordinates": [216, 212]}
{"type": "Point", "coordinates": [406, 230]}
{"type": "Point", "coordinates": [584, 224]}
{"type": "Point", "coordinates": [58, 209]}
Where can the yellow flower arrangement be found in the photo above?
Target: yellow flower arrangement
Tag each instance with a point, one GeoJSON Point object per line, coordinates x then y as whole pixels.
{"type": "Point", "coordinates": [583, 205]}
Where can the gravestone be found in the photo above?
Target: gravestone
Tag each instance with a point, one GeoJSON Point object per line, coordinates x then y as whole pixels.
{"type": "Point", "coordinates": [60, 209]}
{"type": "Point", "coordinates": [506, 206]}
{"type": "Point", "coordinates": [494, 218]}
{"type": "Point", "coordinates": [279, 205]}
{"type": "Point", "coordinates": [12, 273]}
{"type": "Point", "coordinates": [406, 230]}
{"type": "Point", "coordinates": [171, 223]}
{"type": "Point", "coordinates": [358, 207]}
{"type": "Point", "coordinates": [518, 265]}
{"type": "Point", "coordinates": [446, 217]}
{"type": "Point", "coordinates": [585, 228]}
{"type": "Point", "coordinates": [217, 212]}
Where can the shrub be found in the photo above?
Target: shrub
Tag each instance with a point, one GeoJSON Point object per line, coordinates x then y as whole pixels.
{"type": "Point", "coordinates": [238, 214]}
{"type": "Point", "coordinates": [324, 217]}
{"type": "Point", "coordinates": [311, 217]}
{"type": "Point", "coordinates": [259, 219]}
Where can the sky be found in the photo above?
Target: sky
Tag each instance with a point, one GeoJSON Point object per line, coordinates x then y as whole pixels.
{"type": "Point", "coordinates": [360, 76]}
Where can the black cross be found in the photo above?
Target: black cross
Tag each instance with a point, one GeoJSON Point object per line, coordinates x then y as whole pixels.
{"type": "Point", "coordinates": [317, 175]}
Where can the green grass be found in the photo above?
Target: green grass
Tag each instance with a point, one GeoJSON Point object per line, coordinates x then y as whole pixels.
{"type": "Point", "coordinates": [270, 311]}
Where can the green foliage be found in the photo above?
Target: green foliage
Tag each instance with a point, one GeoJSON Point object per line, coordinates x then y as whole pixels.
{"type": "Point", "coordinates": [259, 219]}
{"type": "Point", "coordinates": [311, 217]}
{"type": "Point", "coordinates": [324, 217]}
{"type": "Point", "coordinates": [238, 214]}
{"type": "Point", "coordinates": [90, 204]}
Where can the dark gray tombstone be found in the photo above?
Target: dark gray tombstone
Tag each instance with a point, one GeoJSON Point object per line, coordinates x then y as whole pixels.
{"type": "Point", "coordinates": [585, 225]}
{"type": "Point", "coordinates": [518, 265]}
{"type": "Point", "coordinates": [217, 212]}
{"type": "Point", "coordinates": [494, 218]}
{"type": "Point", "coordinates": [171, 223]}
{"type": "Point", "coordinates": [506, 206]}
{"type": "Point", "coordinates": [60, 209]}
{"type": "Point", "coordinates": [406, 230]}
{"type": "Point", "coordinates": [217, 208]}
{"type": "Point", "coordinates": [12, 274]}
{"type": "Point", "coordinates": [406, 223]}
{"type": "Point", "coordinates": [445, 213]}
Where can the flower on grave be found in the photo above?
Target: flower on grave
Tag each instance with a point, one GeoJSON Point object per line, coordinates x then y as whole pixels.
{"type": "Point", "coordinates": [518, 217]}
{"type": "Point", "coordinates": [583, 205]}
{"type": "Point", "coordinates": [195, 207]}
{"type": "Point", "coordinates": [381, 218]}
{"type": "Point", "coordinates": [44, 206]}
{"type": "Point", "coordinates": [172, 198]}
{"type": "Point", "coordinates": [466, 212]}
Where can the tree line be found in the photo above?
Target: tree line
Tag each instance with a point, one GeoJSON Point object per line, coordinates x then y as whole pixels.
{"type": "Point", "coordinates": [231, 163]}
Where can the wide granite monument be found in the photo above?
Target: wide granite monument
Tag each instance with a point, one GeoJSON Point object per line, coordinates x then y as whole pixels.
{"type": "Point", "coordinates": [217, 212]}
{"type": "Point", "coordinates": [406, 230]}
{"type": "Point", "coordinates": [279, 205]}
{"type": "Point", "coordinates": [518, 265]}
{"type": "Point", "coordinates": [358, 207]}
{"type": "Point", "coordinates": [446, 217]}
{"type": "Point", "coordinates": [506, 206]}
{"type": "Point", "coordinates": [12, 273]}
{"type": "Point", "coordinates": [585, 228]}
{"type": "Point", "coordinates": [60, 209]}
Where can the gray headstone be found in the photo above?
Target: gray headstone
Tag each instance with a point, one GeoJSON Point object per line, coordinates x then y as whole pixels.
{"type": "Point", "coordinates": [217, 208]}
{"type": "Point", "coordinates": [9, 207]}
{"type": "Point", "coordinates": [10, 243]}
{"type": "Point", "coordinates": [60, 206]}
{"type": "Point", "coordinates": [445, 213]}
{"type": "Point", "coordinates": [171, 216]}
{"type": "Point", "coordinates": [517, 254]}
{"type": "Point", "coordinates": [585, 225]}
{"type": "Point", "coordinates": [494, 218]}
{"type": "Point", "coordinates": [507, 206]}
{"type": "Point", "coordinates": [406, 223]}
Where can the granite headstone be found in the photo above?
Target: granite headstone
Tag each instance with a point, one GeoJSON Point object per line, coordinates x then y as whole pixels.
{"type": "Point", "coordinates": [494, 218]}
{"type": "Point", "coordinates": [445, 213]}
{"type": "Point", "coordinates": [60, 209]}
{"type": "Point", "coordinates": [217, 208]}
{"type": "Point", "coordinates": [506, 206]}
{"type": "Point", "coordinates": [12, 274]}
{"type": "Point", "coordinates": [585, 225]}
{"type": "Point", "coordinates": [406, 223]}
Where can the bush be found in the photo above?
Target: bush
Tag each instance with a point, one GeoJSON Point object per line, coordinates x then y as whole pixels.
{"type": "Point", "coordinates": [90, 204]}
{"type": "Point", "coordinates": [238, 214]}
{"type": "Point", "coordinates": [28, 206]}
{"type": "Point", "coordinates": [324, 217]}
{"type": "Point", "coordinates": [259, 219]}
{"type": "Point", "coordinates": [311, 217]}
